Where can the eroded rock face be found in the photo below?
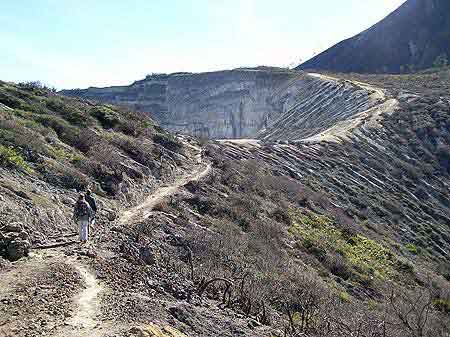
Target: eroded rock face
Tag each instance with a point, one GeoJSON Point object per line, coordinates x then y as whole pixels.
{"type": "Point", "coordinates": [241, 103]}
{"type": "Point", "coordinates": [14, 242]}
{"type": "Point", "coordinates": [224, 104]}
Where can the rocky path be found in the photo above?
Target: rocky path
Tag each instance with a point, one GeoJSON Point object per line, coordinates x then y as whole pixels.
{"type": "Point", "coordinates": [86, 307]}
{"type": "Point", "coordinates": [82, 307]}
{"type": "Point", "coordinates": [143, 210]}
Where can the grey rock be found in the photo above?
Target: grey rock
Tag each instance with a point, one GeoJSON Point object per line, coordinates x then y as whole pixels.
{"type": "Point", "coordinates": [266, 103]}
{"type": "Point", "coordinates": [17, 249]}
{"type": "Point", "coordinates": [24, 235]}
{"type": "Point", "coordinates": [185, 313]}
{"type": "Point", "coordinates": [147, 255]}
{"type": "Point", "coordinates": [111, 215]}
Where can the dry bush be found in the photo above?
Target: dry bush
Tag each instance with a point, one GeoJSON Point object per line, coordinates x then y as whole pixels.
{"type": "Point", "coordinates": [139, 150]}
{"type": "Point", "coordinates": [86, 139]}
{"type": "Point", "coordinates": [66, 176]}
{"type": "Point", "coordinates": [338, 266]}
{"type": "Point", "coordinates": [411, 313]}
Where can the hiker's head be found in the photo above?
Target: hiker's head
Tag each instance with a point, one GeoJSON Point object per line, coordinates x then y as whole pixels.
{"type": "Point", "coordinates": [88, 192]}
{"type": "Point", "coordinates": [81, 196]}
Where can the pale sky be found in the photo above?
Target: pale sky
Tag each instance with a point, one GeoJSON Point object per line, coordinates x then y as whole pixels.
{"type": "Point", "coordinates": [82, 43]}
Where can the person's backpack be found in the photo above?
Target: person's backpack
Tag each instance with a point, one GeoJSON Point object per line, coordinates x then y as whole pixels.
{"type": "Point", "coordinates": [82, 209]}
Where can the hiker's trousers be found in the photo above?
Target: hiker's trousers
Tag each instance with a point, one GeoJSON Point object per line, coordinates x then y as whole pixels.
{"type": "Point", "coordinates": [84, 229]}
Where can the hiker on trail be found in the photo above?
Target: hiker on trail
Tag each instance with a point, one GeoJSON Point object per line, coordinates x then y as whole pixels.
{"type": "Point", "coordinates": [91, 201]}
{"type": "Point", "coordinates": [82, 215]}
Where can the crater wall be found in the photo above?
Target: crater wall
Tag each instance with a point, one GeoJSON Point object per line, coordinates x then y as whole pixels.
{"type": "Point", "coordinates": [242, 103]}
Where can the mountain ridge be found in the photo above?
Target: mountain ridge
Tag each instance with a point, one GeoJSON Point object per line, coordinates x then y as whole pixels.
{"type": "Point", "coordinates": [410, 38]}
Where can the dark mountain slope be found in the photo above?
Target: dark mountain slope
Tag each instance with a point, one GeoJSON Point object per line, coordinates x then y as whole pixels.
{"type": "Point", "coordinates": [415, 34]}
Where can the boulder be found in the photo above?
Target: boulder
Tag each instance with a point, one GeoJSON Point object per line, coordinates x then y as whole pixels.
{"type": "Point", "coordinates": [24, 236]}
{"type": "Point", "coordinates": [147, 255]}
{"type": "Point", "coordinates": [14, 241]}
{"type": "Point", "coordinates": [185, 313]}
{"type": "Point", "coordinates": [17, 249]}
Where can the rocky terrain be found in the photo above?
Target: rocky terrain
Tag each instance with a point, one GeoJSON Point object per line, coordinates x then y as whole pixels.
{"type": "Point", "coordinates": [244, 103]}
{"type": "Point", "coordinates": [334, 223]}
{"type": "Point", "coordinates": [225, 104]}
{"type": "Point", "coordinates": [413, 37]}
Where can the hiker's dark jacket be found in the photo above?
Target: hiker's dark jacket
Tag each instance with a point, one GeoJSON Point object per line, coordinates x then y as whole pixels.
{"type": "Point", "coordinates": [82, 211]}
{"type": "Point", "coordinates": [91, 201]}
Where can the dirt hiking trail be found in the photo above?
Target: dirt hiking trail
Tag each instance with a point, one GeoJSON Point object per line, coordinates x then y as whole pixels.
{"type": "Point", "coordinates": [143, 210]}
{"type": "Point", "coordinates": [87, 303]}
{"type": "Point", "coordinates": [86, 306]}
{"type": "Point", "coordinates": [85, 319]}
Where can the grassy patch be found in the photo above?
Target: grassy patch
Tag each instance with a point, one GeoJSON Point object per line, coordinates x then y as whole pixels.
{"type": "Point", "coordinates": [364, 255]}
{"type": "Point", "coordinates": [9, 157]}
{"type": "Point", "coordinates": [344, 297]}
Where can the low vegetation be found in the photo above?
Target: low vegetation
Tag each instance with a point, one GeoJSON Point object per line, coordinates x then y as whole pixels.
{"type": "Point", "coordinates": [280, 253]}
{"type": "Point", "coordinates": [73, 143]}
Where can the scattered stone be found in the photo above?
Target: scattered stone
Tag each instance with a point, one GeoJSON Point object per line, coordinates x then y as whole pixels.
{"type": "Point", "coordinates": [17, 249]}
{"type": "Point", "coordinates": [110, 214]}
{"type": "Point", "coordinates": [253, 324]}
{"type": "Point", "coordinates": [185, 313]}
{"type": "Point", "coordinates": [153, 330]}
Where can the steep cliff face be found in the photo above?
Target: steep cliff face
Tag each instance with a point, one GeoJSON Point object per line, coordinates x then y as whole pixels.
{"type": "Point", "coordinates": [268, 104]}
{"type": "Point", "coordinates": [225, 104]}
{"type": "Point", "coordinates": [412, 36]}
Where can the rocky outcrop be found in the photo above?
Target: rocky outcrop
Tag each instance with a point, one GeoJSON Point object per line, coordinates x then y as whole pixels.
{"type": "Point", "coordinates": [272, 104]}
{"type": "Point", "coordinates": [224, 104]}
{"type": "Point", "coordinates": [413, 36]}
{"type": "Point", "coordinates": [14, 241]}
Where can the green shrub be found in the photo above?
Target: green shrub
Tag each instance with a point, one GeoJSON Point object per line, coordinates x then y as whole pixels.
{"type": "Point", "coordinates": [368, 256]}
{"type": "Point", "coordinates": [67, 112]}
{"type": "Point", "coordinates": [66, 132]}
{"type": "Point", "coordinates": [9, 157]}
{"type": "Point", "coordinates": [344, 297]}
{"type": "Point", "coordinates": [132, 126]}
{"type": "Point", "coordinates": [10, 100]}
{"type": "Point", "coordinates": [106, 116]}
{"type": "Point", "coordinates": [412, 248]}
{"type": "Point", "coordinates": [404, 266]}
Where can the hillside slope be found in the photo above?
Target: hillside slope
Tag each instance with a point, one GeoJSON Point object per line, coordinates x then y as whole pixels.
{"type": "Point", "coordinates": [51, 147]}
{"type": "Point", "coordinates": [412, 36]}
{"type": "Point", "coordinates": [232, 238]}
